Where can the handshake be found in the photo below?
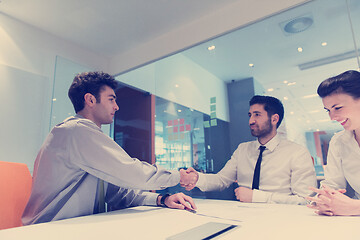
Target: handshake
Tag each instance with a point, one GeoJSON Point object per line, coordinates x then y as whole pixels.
{"type": "Point", "coordinates": [188, 178]}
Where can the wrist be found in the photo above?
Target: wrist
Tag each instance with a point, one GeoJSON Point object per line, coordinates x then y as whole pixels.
{"type": "Point", "coordinates": [356, 206]}
{"type": "Point", "coordinates": [161, 199]}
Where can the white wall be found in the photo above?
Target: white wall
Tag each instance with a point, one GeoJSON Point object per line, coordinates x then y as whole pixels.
{"type": "Point", "coordinates": [195, 85]}
{"type": "Point", "coordinates": [27, 63]}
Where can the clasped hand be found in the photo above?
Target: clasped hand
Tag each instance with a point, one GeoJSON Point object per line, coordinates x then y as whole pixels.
{"type": "Point", "coordinates": [331, 202]}
{"type": "Point", "coordinates": [188, 178]}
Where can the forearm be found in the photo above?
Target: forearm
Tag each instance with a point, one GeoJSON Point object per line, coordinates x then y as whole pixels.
{"type": "Point", "coordinates": [213, 182]}
{"type": "Point", "coordinates": [260, 196]}
{"type": "Point", "coordinates": [356, 207]}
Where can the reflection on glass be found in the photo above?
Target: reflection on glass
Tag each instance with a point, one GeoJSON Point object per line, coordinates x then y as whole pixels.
{"type": "Point", "coordinates": [288, 54]}
{"type": "Point", "coordinates": [179, 136]}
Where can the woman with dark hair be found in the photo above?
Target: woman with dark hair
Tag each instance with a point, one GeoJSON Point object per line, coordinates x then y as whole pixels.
{"type": "Point", "coordinates": [341, 99]}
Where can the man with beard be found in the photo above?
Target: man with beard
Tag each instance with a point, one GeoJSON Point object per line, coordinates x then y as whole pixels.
{"type": "Point", "coordinates": [268, 170]}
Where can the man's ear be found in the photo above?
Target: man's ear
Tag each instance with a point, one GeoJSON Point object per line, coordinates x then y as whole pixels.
{"type": "Point", "coordinates": [89, 99]}
{"type": "Point", "coordinates": [275, 118]}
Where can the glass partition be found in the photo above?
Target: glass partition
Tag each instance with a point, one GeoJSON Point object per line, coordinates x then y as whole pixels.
{"type": "Point", "coordinates": [286, 55]}
{"type": "Point", "coordinates": [61, 107]}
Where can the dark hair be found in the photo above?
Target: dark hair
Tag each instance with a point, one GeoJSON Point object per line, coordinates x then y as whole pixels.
{"type": "Point", "coordinates": [347, 82]}
{"type": "Point", "coordinates": [89, 82]}
{"type": "Point", "coordinates": [271, 105]}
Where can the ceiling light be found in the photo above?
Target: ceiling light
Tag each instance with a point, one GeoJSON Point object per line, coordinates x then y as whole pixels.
{"type": "Point", "coordinates": [315, 111]}
{"type": "Point", "coordinates": [270, 90]}
{"type": "Point", "coordinates": [176, 85]}
{"type": "Point", "coordinates": [251, 65]}
{"type": "Point", "coordinates": [323, 44]}
{"type": "Point", "coordinates": [285, 82]}
{"type": "Point", "coordinates": [292, 83]}
{"type": "Point", "coordinates": [179, 110]}
{"type": "Point", "coordinates": [211, 48]}
{"type": "Point", "coordinates": [286, 98]}
{"type": "Point", "coordinates": [300, 49]}
{"type": "Point", "coordinates": [310, 96]}
{"type": "Point", "coordinates": [328, 60]}
{"type": "Point", "coordinates": [54, 99]}
{"type": "Point", "coordinates": [291, 113]}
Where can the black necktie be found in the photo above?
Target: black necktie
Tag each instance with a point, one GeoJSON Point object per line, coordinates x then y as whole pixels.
{"type": "Point", "coordinates": [256, 178]}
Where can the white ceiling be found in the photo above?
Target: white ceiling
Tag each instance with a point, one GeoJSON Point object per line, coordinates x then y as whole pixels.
{"type": "Point", "coordinates": [111, 27]}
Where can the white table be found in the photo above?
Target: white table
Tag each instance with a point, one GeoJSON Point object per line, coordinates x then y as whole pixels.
{"type": "Point", "coordinates": [257, 221]}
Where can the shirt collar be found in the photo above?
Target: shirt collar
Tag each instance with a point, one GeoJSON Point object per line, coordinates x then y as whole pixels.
{"type": "Point", "coordinates": [78, 116]}
{"type": "Point", "coordinates": [271, 145]}
{"type": "Point", "coordinates": [84, 118]}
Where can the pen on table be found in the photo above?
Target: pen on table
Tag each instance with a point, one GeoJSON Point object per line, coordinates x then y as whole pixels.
{"type": "Point", "coordinates": [190, 210]}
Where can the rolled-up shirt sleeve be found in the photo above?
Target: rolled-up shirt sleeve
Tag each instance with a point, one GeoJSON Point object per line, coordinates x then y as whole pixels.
{"type": "Point", "coordinates": [119, 198]}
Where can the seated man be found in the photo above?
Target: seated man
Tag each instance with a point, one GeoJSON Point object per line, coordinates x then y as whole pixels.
{"type": "Point", "coordinates": [286, 167]}
{"type": "Point", "coordinates": [77, 157]}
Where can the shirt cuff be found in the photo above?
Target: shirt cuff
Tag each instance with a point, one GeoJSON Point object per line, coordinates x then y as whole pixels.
{"type": "Point", "coordinates": [201, 181]}
{"type": "Point", "coordinates": [260, 196]}
{"type": "Point", "coordinates": [150, 199]}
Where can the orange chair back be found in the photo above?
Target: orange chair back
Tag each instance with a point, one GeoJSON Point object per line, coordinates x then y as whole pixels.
{"type": "Point", "coordinates": [15, 188]}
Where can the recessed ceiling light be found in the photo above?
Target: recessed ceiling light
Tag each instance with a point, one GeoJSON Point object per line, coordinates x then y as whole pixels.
{"type": "Point", "coordinates": [251, 65]}
{"type": "Point", "coordinates": [291, 113]}
{"type": "Point", "coordinates": [292, 83]}
{"type": "Point", "coordinates": [315, 111]}
{"type": "Point", "coordinates": [317, 130]}
{"type": "Point", "coordinates": [270, 90]}
{"type": "Point", "coordinates": [300, 49]}
{"type": "Point", "coordinates": [286, 98]}
{"type": "Point", "coordinates": [211, 48]}
{"type": "Point", "coordinates": [179, 110]}
{"type": "Point", "coordinates": [310, 96]}
{"type": "Point", "coordinates": [285, 82]}
{"type": "Point", "coordinates": [176, 85]}
{"type": "Point", "coordinates": [323, 44]}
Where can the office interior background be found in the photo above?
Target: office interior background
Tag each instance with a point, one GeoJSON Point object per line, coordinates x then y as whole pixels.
{"type": "Point", "coordinates": [186, 70]}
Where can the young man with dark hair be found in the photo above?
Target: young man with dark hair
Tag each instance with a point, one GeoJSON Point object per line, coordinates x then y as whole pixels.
{"type": "Point", "coordinates": [271, 169]}
{"type": "Point", "coordinates": [77, 158]}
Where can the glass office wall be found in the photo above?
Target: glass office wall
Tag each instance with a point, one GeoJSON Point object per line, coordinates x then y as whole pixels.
{"type": "Point", "coordinates": [286, 55]}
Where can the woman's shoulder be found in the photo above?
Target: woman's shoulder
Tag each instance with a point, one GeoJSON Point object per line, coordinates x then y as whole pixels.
{"type": "Point", "coordinates": [342, 137]}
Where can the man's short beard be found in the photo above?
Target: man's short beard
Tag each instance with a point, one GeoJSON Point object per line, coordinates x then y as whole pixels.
{"type": "Point", "coordinates": [264, 131]}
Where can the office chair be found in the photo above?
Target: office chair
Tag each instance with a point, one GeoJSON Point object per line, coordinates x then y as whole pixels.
{"type": "Point", "coordinates": [15, 188]}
